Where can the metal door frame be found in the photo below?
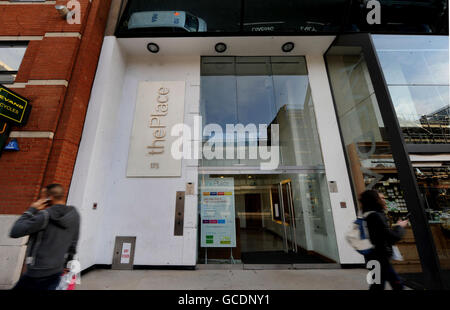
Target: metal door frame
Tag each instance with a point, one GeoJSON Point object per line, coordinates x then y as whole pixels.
{"type": "Point", "coordinates": [290, 207]}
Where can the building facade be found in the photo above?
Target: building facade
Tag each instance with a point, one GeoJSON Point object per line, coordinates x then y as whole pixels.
{"type": "Point", "coordinates": [242, 132]}
{"type": "Point", "coordinates": [52, 63]}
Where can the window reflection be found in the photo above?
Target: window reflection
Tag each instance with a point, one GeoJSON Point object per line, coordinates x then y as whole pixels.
{"type": "Point", "coordinates": [10, 59]}
{"type": "Point", "coordinates": [262, 90]}
{"type": "Point", "coordinates": [417, 74]}
{"type": "Point", "coordinates": [283, 16]}
{"type": "Point", "coordinates": [293, 16]}
{"type": "Point", "coordinates": [367, 142]}
{"type": "Point", "coordinates": [422, 16]}
{"type": "Point", "coordinates": [416, 69]}
{"type": "Point", "coordinates": [198, 15]}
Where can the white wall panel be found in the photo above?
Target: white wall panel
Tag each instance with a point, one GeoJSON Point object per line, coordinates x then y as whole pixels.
{"type": "Point", "coordinates": [333, 156]}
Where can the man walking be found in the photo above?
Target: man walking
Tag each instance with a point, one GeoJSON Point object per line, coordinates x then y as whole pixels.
{"type": "Point", "coordinates": [53, 228]}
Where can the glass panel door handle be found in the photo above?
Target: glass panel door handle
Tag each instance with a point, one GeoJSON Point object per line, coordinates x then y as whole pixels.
{"type": "Point", "coordinates": [292, 216]}
{"type": "Point", "coordinates": [283, 218]}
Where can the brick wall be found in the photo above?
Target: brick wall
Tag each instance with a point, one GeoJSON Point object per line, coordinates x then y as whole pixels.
{"type": "Point", "coordinates": [63, 57]}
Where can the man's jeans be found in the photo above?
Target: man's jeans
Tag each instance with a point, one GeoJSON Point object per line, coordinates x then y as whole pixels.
{"type": "Point", "coordinates": [46, 283]}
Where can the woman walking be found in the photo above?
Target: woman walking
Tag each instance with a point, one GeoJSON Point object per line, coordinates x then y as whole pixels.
{"type": "Point", "coordinates": [382, 237]}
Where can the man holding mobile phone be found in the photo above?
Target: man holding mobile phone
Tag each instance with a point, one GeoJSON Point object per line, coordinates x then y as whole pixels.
{"type": "Point", "coordinates": [53, 228]}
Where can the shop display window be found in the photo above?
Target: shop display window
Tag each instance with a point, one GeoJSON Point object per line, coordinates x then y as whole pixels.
{"type": "Point", "coordinates": [367, 143]}
{"type": "Point", "coordinates": [416, 69]}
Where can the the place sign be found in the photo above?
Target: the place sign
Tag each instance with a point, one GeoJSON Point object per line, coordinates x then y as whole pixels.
{"type": "Point", "coordinates": [159, 107]}
{"type": "Point", "coordinates": [14, 108]}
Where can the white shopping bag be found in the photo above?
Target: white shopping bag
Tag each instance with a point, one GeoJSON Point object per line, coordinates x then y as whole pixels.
{"type": "Point", "coordinates": [67, 283]}
{"type": "Point", "coordinates": [64, 282]}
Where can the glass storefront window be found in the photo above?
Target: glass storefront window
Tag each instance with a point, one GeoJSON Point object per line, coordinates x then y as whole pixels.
{"type": "Point", "coordinates": [367, 144]}
{"type": "Point", "coordinates": [434, 184]}
{"type": "Point", "coordinates": [416, 69]}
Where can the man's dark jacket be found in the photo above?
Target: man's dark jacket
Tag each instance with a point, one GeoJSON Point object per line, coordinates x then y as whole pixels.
{"type": "Point", "coordinates": [381, 236]}
{"type": "Point", "coordinates": [53, 238]}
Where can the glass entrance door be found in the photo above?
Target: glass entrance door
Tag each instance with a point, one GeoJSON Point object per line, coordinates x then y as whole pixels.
{"type": "Point", "coordinates": [266, 219]}
{"type": "Point", "coordinates": [249, 214]}
{"type": "Point", "coordinates": [288, 216]}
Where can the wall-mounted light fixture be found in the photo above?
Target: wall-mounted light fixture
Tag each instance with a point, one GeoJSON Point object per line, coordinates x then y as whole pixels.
{"type": "Point", "coordinates": [153, 48]}
{"type": "Point", "coordinates": [287, 47]}
{"type": "Point", "coordinates": [220, 47]}
{"type": "Point", "coordinates": [64, 11]}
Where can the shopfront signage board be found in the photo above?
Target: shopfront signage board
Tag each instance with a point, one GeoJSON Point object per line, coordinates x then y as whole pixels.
{"type": "Point", "coordinates": [14, 108]}
{"type": "Point", "coordinates": [14, 111]}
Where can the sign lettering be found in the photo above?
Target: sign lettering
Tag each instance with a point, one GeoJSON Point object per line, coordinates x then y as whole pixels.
{"type": "Point", "coordinates": [159, 107]}
{"type": "Point", "coordinates": [13, 107]}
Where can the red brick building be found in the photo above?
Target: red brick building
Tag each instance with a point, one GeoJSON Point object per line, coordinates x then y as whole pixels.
{"type": "Point", "coordinates": [56, 74]}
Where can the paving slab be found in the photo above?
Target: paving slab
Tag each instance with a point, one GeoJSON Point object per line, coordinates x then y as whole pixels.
{"type": "Point", "coordinates": [204, 279]}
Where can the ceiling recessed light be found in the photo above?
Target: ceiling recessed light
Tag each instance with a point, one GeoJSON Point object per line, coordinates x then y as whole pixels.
{"type": "Point", "coordinates": [220, 47]}
{"type": "Point", "coordinates": [153, 47]}
{"type": "Point", "coordinates": [287, 47]}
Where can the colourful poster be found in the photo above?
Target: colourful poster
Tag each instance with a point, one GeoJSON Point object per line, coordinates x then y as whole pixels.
{"type": "Point", "coordinates": [217, 213]}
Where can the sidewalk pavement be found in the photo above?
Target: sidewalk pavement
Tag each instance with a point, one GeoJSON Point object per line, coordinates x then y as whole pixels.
{"type": "Point", "coordinates": [231, 279]}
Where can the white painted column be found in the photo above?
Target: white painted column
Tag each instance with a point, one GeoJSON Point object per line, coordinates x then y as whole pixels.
{"type": "Point", "coordinates": [89, 181]}
{"type": "Point", "coordinates": [190, 166]}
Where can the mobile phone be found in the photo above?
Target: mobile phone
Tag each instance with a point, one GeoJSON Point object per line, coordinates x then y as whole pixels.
{"type": "Point", "coordinates": [48, 201]}
{"type": "Point", "coordinates": [406, 217]}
